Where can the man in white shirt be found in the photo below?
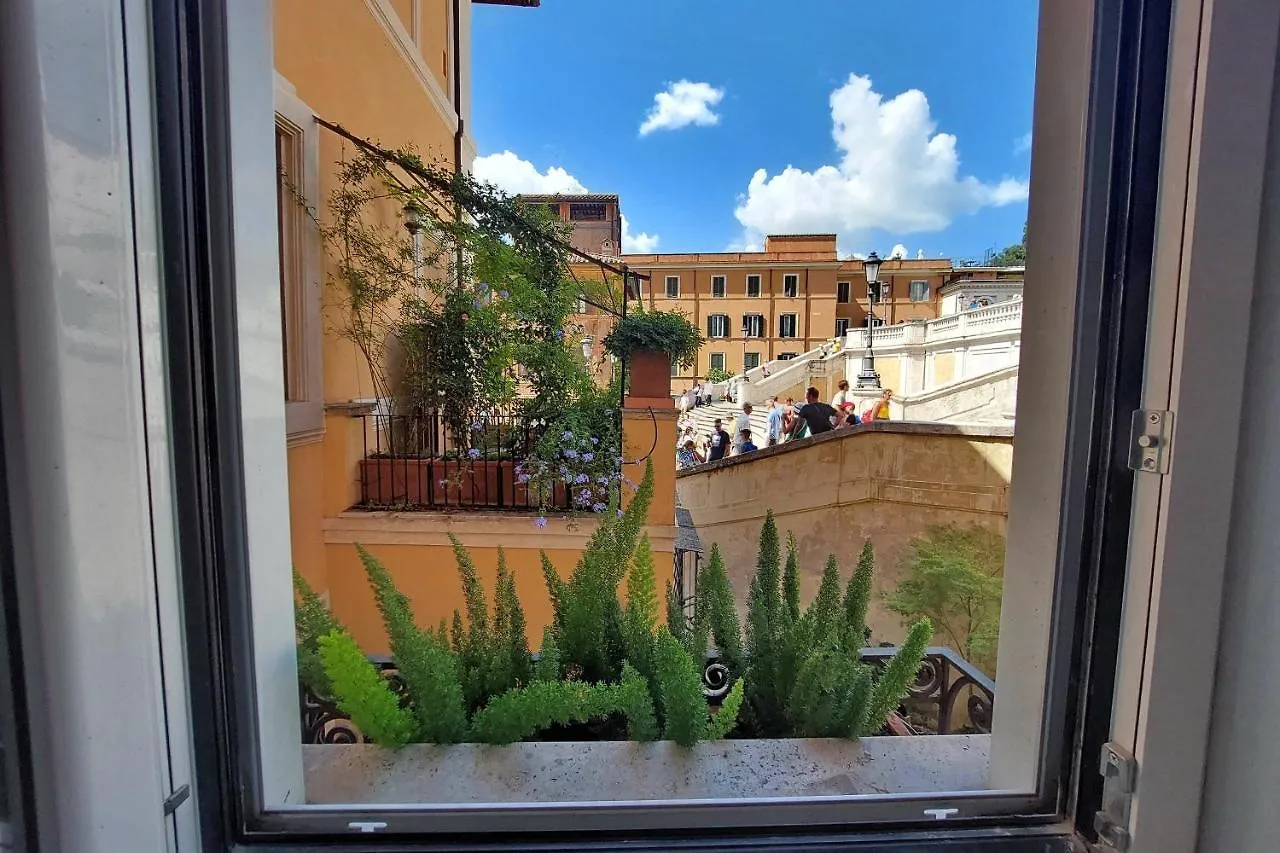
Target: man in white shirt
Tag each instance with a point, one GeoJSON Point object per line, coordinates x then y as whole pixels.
{"type": "Point", "coordinates": [743, 422]}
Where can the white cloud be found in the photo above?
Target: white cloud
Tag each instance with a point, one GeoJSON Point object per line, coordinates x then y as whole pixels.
{"type": "Point", "coordinates": [511, 174]}
{"type": "Point", "coordinates": [1022, 144]}
{"type": "Point", "coordinates": [681, 104]}
{"type": "Point", "coordinates": [638, 244]}
{"type": "Point", "coordinates": [895, 173]}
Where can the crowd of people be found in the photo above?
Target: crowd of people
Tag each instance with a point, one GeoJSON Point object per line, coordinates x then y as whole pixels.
{"type": "Point", "coordinates": [786, 421]}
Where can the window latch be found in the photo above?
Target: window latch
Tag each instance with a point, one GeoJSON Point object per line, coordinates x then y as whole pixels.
{"type": "Point", "coordinates": [1149, 441]}
{"type": "Point", "coordinates": [1119, 781]}
{"type": "Point", "coordinates": [176, 799]}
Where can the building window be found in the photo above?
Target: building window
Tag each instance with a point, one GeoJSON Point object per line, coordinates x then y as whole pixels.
{"type": "Point", "coordinates": [587, 212]}
{"type": "Point", "coordinates": [919, 291]}
{"type": "Point", "coordinates": [717, 362]}
{"type": "Point", "coordinates": [297, 165]}
{"type": "Point", "coordinates": [842, 326]}
{"type": "Point", "coordinates": [580, 306]}
{"type": "Point", "coordinates": [842, 292]}
{"type": "Point", "coordinates": [787, 356]}
{"type": "Point", "coordinates": [787, 326]}
{"type": "Point", "coordinates": [753, 325]}
{"type": "Point", "coordinates": [673, 287]}
{"type": "Point", "coordinates": [791, 285]}
{"type": "Point", "coordinates": [882, 291]}
{"type": "Point", "coordinates": [717, 286]}
{"type": "Point", "coordinates": [750, 360]}
{"type": "Point", "coordinates": [675, 369]}
{"type": "Point", "coordinates": [718, 326]}
{"type": "Point", "coordinates": [753, 286]}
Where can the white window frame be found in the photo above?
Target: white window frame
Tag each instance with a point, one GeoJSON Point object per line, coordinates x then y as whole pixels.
{"type": "Point", "coordinates": [782, 325]}
{"type": "Point", "coordinates": [302, 321]}
{"type": "Point", "coordinates": [911, 290]}
{"type": "Point", "coordinates": [711, 333]}
{"type": "Point", "coordinates": [713, 358]}
{"type": "Point", "coordinates": [668, 282]}
{"type": "Point", "coordinates": [752, 322]}
{"type": "Point", "coordinates": [840, 333]}
{"type": "Point", "coordinates": [791, 285]}
{"type": "Point", "coordinates": [722, 282]}
{"type": "Point", "coordinates": [759, 286]}
{"type": "Point", "coordinates": [746, 356]}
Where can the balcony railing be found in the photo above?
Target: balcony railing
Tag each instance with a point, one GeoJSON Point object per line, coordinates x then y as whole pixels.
{"type": "Point", "coordinates": [418, 462]}
{"type": "Point", "coordinates": [949, 696]}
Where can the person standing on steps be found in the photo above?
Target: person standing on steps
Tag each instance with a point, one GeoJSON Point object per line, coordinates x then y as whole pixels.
{"type": "Point", "coordinates": [774, 433]}
{"type": "Point", "coordinates": [814, 414]}
{"type": "Point", "coordinates": [718, 443]}
{"type": "Point", "coordinates": [742, 423]}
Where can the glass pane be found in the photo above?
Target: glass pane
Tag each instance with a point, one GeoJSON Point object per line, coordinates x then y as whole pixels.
{"type": "Point", "coordinates": [494, 396]}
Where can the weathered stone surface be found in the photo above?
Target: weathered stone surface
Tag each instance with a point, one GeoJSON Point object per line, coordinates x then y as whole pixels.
{"type": "Point", "coordinates": [623, 771]}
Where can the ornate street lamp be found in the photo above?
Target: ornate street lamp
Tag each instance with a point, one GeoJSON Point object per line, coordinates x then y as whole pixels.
{"type": "Point", "coordinates": [586, 349]}
{"type": "Point", "coordinates": [867, 376]}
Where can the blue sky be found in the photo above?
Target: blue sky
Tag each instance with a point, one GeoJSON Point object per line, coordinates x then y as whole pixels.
{"type": "Point", "coordinates": [931, 100]}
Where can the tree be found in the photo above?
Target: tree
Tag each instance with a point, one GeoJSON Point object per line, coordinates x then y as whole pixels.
{"type": "Point", "coordinates": [1014, 255]}
{"type": "Point", "coordinates": [955, 577]}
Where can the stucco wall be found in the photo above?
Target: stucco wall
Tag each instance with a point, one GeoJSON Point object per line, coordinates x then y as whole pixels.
{"type": "Point", "coordinates": [888, 481]}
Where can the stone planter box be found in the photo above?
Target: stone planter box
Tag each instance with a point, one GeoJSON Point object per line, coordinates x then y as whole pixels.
{"type": "Point", "coordinates": [390, 481]}
{"type": "Point", "coordinates": [627, 771]}
{"type": "Point", "coordinates": [650, 374]}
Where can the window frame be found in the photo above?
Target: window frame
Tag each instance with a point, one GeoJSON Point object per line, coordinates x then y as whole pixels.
{"type": "Point", "coordinates": [301, 309]}
{"type": "Point", "coordinates": [911, 290]}
{"type": "Point", "coordinates": [214, 533]}
{"type": "Point", "coordinates": [782, 325]}
{"type": "Point", "coordinates": [711, 361]}
{"type": "Point", "coordinates": [840, 333]}
{"type": "Point", "coordinates": [759, 285]}
{"type": "Point", "coordinates": [791, 285]}
{"type": "Point", "coordinates": [748, 356]}
{"type": "Point", "coordinates": [755, 321]}
{"type": "Point", "coordinates": [723, 281]}
{"type": "Point", "coordinates": [667, 281]}
{"type": "Point", "coordinates": [710, 333]}
{"type": "Point", "coordinates": [845, 287]}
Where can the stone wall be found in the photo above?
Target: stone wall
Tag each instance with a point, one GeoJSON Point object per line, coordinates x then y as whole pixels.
{"type": "Point", "coordinates": [887, 480]}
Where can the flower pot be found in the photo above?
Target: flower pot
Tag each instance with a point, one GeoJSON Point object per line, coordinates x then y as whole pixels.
{"type": "Point", "coordinates": [650, 374]}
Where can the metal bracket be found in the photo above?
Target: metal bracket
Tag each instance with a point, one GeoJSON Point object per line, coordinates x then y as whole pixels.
{"type": "Point", "coordinates": [1149, 440]}
{"type": "Point", "coordinates": [1120, 779]}
{"type": "Point", "coordinates": [176, 799]}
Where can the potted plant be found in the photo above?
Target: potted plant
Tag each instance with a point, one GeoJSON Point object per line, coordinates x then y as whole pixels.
{"type": "Point", "coordinates": [650, 342]}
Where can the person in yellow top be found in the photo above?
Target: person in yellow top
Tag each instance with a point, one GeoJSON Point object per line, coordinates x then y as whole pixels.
{"type": "Point", "coordinates": [879, 409]}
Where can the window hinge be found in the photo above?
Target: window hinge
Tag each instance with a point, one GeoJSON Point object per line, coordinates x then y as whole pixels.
{"type": "Point", "coordinates": [1149, 441]}
{"type": "Point", "coordinates": [1119, 781]}
{"type": "Point", "coordinates": [176, 799]}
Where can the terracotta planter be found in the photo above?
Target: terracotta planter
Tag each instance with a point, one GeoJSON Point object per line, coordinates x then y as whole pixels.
{"type": "Point", "coordinates": [443, 483]}
{"type": "Point", "coordinates": [650, 374]}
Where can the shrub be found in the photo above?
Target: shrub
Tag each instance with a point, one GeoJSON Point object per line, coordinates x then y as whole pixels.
{"type": "Point", "coordinates": [955, 577]}
{"type": "Point", "coordinates": [548, 666]}
{"type": "Point", "coordinates": [679, 677]}
{"type": "Point", "coordinates": [312, 622]}
{"type": "Point", "coordinates": [665, 331]}
{"type": "Point", "coordinates": [768, 679]}
{"type": "Point", "coordinates": [640, 619]}
{"type": "Point", "coordinates": [362, 693]}
{"type": "Point", "coordinates": [718, 615]}
{"type": "Point", "coordinates": [427, 666]}
{"type": "Point", "coordinates": [791, 579]}
{"type": "Point", "coordinates": [831, 694]}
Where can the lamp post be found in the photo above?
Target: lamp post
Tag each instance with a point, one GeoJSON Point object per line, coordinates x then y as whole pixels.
{"type": "Point", "coordinates": [867, 376]}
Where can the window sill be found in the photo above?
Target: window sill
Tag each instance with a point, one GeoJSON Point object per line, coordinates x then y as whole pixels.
{"type": "Point", "coordinates": [345, 774]}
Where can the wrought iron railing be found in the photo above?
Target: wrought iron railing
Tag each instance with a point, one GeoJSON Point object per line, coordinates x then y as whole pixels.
{"type": "Point", "coordinates": [950, 696]}
{"type": "Point", "coordinates": [421, 462]}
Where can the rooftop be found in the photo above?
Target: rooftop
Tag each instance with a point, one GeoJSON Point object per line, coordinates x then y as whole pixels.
{"type": "Point", "coordinates": [571, 197]}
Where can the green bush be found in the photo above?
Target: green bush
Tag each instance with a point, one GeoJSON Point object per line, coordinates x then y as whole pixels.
{"type": "Point", "coordinates": [955, 577]}
{"type": "Point", "coordinates": [312, 621]}
{"type": "Point", "coordinates": [362, 693]}
{"type": "Point", "coordinates": [664, 331]}
{"type": "Point", "coordinates": [718, 615]}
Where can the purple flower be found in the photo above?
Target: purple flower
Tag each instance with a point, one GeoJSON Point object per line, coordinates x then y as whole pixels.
{"type": "Point", "coordinates": [477, 426]}
{"type": "Point", "coordinates": [588, 457]}
{"type": "Point", "coordinates": [523, 478]}
{"type": "Point", "coordinates": [618, 459]}
{"type": "Point", "coordinates": [595, 440]}
{"type": "Point", "coordinates": [571, 454]}
{"type": "Point", "coordinates": [580, 479]}
{"type": "Point", "coordinates": [568, 436]}
{"type": "Point", "coordinates": [540, 521]}
{"type": "Point", "coordinates": [619, 513]}
{"type": "Point", "coordinates": [585, 494]}
{"type": "Point", "coordinates": [597, 507]}
{"type": "Point", "coordinates": [503, 294]}
{"type": "Point", "coordinates": [474, 453]}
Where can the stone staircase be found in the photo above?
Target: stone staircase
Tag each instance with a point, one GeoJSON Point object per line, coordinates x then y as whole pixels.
{"type": "Point", "coordinates": [703, 420]}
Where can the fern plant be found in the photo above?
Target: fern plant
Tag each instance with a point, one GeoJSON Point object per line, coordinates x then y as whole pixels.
{"type": "Point", "coordinates": [312, 621]}
{"type": "Point", "coordinates": [717, 615]}
{"type": "Point", "coordinates": [362, 693]}
{"type": "Point", "coordinates": [684, 706]}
